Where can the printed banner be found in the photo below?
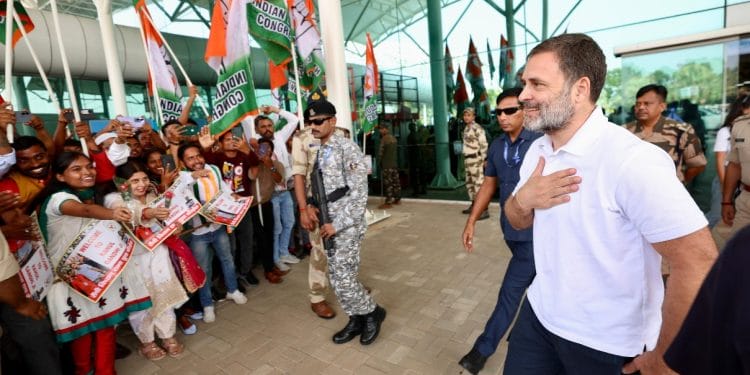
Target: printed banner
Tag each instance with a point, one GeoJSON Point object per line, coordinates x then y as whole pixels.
{"type": "Point", "coordinates": [96, 258]}
{"type": "Point", "coordinates": [180, 200]}
{"type": "Point", "coordinates": [225, 209]}
{"type": "Point", "coordinates": [36, 270]}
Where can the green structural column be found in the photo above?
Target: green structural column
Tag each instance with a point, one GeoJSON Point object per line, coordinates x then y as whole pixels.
{"type": "Point", "coordinates": [443, 178]}
{"type": "Point", "coordinates": [511, 30]}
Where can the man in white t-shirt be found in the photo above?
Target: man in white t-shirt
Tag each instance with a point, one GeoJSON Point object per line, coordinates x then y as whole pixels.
{"type": "Point", "coordinates": [605, 206]}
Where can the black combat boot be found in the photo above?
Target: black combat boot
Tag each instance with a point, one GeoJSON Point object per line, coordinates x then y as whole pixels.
{"type": "Point", "coordinates": [371, 325]}
{"type": "Point", "coordinates": [468, 210]}
{"type": "Point", "coordinates": [352, 329]}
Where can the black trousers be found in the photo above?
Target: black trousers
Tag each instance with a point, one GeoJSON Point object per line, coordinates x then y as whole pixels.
{"type": "Point", "coordinates": [264, 233]}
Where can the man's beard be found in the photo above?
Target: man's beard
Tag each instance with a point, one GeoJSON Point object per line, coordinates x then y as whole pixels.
{"type": "Point", "coordinates": [552, 116]}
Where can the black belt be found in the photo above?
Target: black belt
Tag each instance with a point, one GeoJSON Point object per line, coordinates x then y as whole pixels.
{"type": "Point", "coordinates": [470, 156]}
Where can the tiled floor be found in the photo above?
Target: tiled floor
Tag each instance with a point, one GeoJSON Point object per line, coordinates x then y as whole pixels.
{"type": "Point", "coordinates": [437, 296]}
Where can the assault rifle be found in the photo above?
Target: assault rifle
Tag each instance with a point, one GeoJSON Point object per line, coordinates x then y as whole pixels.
{"type": "Point", "coordinates": [321, 201]}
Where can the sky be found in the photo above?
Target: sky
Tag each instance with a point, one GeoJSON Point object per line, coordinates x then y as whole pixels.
{"type": "Point", "coordinates": [610, 23]}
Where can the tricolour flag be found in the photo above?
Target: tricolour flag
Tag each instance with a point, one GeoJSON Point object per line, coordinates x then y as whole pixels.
{"type": "Point", "coordinates": [307, 37]}
{"type": "Point", "coordinates": [450, 85]}
{"type": "Point", "coordinates": [277, 75]}
{"type": "Point", "coordinates": [489, 60]}
{"type": "Point", "coordinates": [22, 15]}
{"type": "Point", "coordinates": [228, 53]}
{"type": "Point", "coordinates": [162, 73]}
{"type": "Point", "coordinates": [460, 96]}
{"type": "Point", "coordinates": [268, 21]}
{"type": "Point", "coordinates": [372, 82]}
{"type": "Point", "coordinates": [476, 80]}
{"type": "Point", "coordinates": [503, 60]}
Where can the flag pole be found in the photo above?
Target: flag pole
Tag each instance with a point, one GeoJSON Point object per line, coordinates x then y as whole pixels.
{"type": "Point", "coordinates": [66, 69]}
{"type": "Point", "coordinates": [9, 64]}
{"type": "Point", "coordinates": [296, 86]}
{"type": "Point", "coordinates": [38, 64]}
{"type": "Point", "coordinates": [154, 90]}
{"type": "Point", "coordinates": [177, 61]}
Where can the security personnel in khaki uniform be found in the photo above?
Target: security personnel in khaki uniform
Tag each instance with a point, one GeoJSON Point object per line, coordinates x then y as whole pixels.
{"type": "Point", "coordinates": [475, 153]}
{"type": "Point", "coordinates": [676, 138]}
{"type": "Point", "coordinates": [341, 166]}
{"type": "Point", "coordinates": [738, 173]}
{"type": "Point", "coordinates": [304, 149]}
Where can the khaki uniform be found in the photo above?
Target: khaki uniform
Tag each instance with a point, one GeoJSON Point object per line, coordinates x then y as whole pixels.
{"type": "Point", "coordinates": [739, 153]}
{"type": "Point", "coordinates": [388, 157]}
{"type": "Point", "coordinates": [475, 153]}
{"type": "Point", "coordinates": [304, 149]}
{"type": "Point", "coordinates": [678, 139]}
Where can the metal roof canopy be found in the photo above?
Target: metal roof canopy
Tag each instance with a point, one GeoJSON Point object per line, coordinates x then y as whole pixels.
{"type": "Point", "coordinates": [381, 18]}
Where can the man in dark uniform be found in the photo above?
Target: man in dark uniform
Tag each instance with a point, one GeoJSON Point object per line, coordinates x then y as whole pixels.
{"type": "Point", "coordinates": [503, 164]}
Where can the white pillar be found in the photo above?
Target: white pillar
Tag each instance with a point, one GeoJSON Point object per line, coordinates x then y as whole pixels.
{"type": "Point", "coordinates": [109, 45]}
{"type": "Point", "coordinates": [332, 34]}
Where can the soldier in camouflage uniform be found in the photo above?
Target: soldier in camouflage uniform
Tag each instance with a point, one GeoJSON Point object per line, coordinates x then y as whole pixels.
{"type": "Point", "coordinates": [304, 149]}
{"type": "Point", "coordinates": [389, 167]}
{"type": "Point", "coordinates": [678, 139]}
{"type": "Point", "coordinates": [344, 174]}
{"type": "Point", "coordinates": [475, 154]}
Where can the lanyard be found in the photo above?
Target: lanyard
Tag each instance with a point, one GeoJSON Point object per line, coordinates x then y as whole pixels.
{"type": "Point", "coordinates": [516, 158]}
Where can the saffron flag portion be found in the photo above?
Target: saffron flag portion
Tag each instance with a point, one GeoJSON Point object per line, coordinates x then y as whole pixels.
{"type": "Point", "coordinates": [22, 15]}
{"type": "Point", "coordinates": [450, 85]}
{"type": "Point", "coordinates": [489, 60]}
{"type": "Point", "coordinates": [372, 83]}
{"type": "Point", "coordinates": [474, 74]}
{"type": "Point", "coordinates": [228, 53]}
{"type": "Point", "coordinates": [162, 73]}
{"type": "Point", "coordinates": [277, 74]}
{"type": "Point", "coordinates": [268, 22]}
{"type": "Point", "coordinates": [460, 97]}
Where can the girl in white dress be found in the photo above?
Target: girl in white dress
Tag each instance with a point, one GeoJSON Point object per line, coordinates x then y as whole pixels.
{"type": "Point", "coordinates": [66, 208]}
{"type": "Point", "coordinates": [154, 267]}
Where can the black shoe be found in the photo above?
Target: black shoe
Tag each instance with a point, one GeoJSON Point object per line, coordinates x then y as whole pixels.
{"type": "Point", "coordinates": [352, 329]}
{"type": "Point", "coordinates": [484, 215]}
{"type": "Point", "coordinates": [241, 287]}
{"type": "Point", "coordinates": [251, 279]}
{"type": "Point", "coordinates": [121, 351]}
{"type": "Point", "coordinates": [473, 362]}
{"type": "Point", "coordinates": [371, 326]}
{"type": "Point", "coordinates": [468, 210]}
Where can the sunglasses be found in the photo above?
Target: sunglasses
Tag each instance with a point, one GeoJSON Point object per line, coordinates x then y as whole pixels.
{"type": "Point", "coordinates": [319, 121]}
{"type": "Point", "coordinates": [508, 111]}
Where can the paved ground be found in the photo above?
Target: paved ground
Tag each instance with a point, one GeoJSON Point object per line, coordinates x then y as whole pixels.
{"type": "Point", "coordinates": [437, 298]}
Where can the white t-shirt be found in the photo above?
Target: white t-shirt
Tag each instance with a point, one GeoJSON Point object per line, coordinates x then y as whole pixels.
{"type": "Point", "coordinates": [598, 279]}
{"type": "Point", "coordinates": [722, 144]}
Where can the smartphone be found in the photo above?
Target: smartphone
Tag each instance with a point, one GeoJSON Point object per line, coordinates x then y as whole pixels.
{"type": "Point", "coordinates": [23, 117]}
{"type": "Point", "coordinates": [86, 114]}
{"type": "Point", "coordinates": [135, 122]}
{"type": "Point", "coordinates": [263, 149]}
{"type": "Point", "coordinates": [237, 132]}
{"type": "Point", "coordinates": [167, 162]}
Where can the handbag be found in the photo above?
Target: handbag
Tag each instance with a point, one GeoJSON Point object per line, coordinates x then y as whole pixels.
{"type": "Point", "coordinates": [186, 267]}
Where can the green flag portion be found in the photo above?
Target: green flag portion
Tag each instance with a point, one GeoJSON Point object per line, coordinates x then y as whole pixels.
{"type": "Point", "coordinates": [312, 72]}
{"type": "Point", "coordinates": [235, 96]}
{"type": "Point", "coordinates": [370, 118]}
{"type": "Point", "coordinates": [268, 23]}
